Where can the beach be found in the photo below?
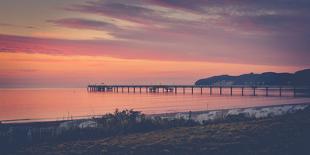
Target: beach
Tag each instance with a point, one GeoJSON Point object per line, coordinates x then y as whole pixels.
{"type": "Point", "coordinates": [286, 129]}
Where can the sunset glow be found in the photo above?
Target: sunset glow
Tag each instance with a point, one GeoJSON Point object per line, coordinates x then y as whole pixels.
{"type": "Point", "coordinates": [72, 43]}
{"type": "Point", "coordinates": [45, 70]}
{"type": "Point", "coordinates": [154, 77]}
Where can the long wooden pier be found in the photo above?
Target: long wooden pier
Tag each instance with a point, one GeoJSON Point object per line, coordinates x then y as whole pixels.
{"type": "Point", "coordinates": [212, 89]}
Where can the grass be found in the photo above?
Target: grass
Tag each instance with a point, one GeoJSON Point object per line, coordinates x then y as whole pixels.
{"type": "Point", "coordinates": [289, 134]}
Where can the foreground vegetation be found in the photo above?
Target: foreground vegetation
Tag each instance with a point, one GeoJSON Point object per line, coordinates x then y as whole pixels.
{"type": "Point", "coordinates": [288, 134]}
{"type": "Point", "coordinates": [17, 136]}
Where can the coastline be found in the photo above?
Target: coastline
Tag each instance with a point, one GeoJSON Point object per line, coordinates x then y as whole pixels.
{"type": "Point", "coordinates": [55, 121]}
{"type": "Point", "coordinates": [285, 134]}
{"type": "Point", "coordinates": [226, 109]}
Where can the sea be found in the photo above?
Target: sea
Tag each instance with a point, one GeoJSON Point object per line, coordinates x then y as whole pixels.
{"type": "Point", "coordinates": [44, 104]}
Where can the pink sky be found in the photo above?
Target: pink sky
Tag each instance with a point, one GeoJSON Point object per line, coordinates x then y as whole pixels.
{"type": "Point", "coordinates": [72, 43]}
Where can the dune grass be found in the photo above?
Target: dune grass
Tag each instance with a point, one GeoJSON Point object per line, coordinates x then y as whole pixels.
{"type": "Point", "coordinates": [288, 134]}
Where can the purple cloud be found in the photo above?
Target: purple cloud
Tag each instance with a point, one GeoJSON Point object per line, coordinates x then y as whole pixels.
{"type": "Point", "coordinates": [242, 16]}
{"type": "Point", "coordinates": [275, 16]}
{"type": "Point", "coordinates": [117, 9]}
{"type": "Point", "coordinates": [241, 31]}
{"type": "Point", "coordinates": [78, 23]}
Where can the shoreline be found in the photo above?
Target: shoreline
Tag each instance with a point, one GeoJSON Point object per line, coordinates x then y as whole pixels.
{"type": "Point", "coordinates": [52, 121]}
{"type": "Point", "coordinates": [224, 109]}
{"type": "Point", "coordinates": [221, 128]}
{"type": "Point", "coordinates": [286, 134]}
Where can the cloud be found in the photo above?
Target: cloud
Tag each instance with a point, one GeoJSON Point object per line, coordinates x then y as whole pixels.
{"type": "Point", "coordinates": [5, 24]}
{"type": "Point", "coordinates": [78, 23]}
{"type": "Point", "coordinates": [142, 12]}
{"type": "Point", "coordinates": [116, 9]}
{"type": "Point", "coordinates": [243, 17]}
{"type": "Point", "coordinates": [239, 31]}
{"type": "Point", "coordinates": [230, 52]}
{"type": "Point", "coordinates": [13, 25]}
{"type": "Point", "coordinates": [271, 16]}
{"type": "Point", "coordinates": [203, 19]}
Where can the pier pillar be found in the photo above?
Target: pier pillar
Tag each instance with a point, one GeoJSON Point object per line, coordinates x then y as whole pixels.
{"type": "Point", "coordinates": [183, 90]}
{"type": "Point", "coordinates": [280, 91]}
{"type": "Point", "coordinates": [231, 93]}
{"type": "Point", "coordinates": [128, 89]}
{"type": "Point", "coordinates": [210, 90]}
{"type": "Point", "coordinates": [200, 90]}
{"type": "Point", "coordinates": [254, 89]}
{"type": "Point", "coordinates": [134, 89]}
{"type": "Point", "coordinates": [117, 89]}
{"type": "Point", "coordinates": [140, 89]}
{"type": "Point", "coordinates": [192, 90]}
{"type": "Point", "coordinates": [175, 90]}
{"type": "Point", "coordinates": [220, 90]}
{"type": "Point", "coordinates": [146, 89]}
{"type": "Point", "coordinates": [122, 89]}
{"type": "Point", "coordinates": [242, 91]}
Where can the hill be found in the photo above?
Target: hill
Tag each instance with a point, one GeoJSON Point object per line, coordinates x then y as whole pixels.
{"type": "Point", "coordinates": [299, 78]}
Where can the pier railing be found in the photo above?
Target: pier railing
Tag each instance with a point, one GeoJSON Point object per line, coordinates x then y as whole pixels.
{"type": "Point", "coordinates": [212, 89]}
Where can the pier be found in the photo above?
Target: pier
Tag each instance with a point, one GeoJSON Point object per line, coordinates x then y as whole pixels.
{"type": "Point", "coordinates": [242, 90]}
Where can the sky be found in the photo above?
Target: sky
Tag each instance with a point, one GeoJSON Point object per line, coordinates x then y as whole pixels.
{"type": "Point", "coordinates": [72, 43]}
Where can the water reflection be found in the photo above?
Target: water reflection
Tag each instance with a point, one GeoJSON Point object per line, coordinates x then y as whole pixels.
{"type": "Point", "coordinates": [67, 103]}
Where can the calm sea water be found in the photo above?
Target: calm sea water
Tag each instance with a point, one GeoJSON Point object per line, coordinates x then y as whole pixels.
{"type": "Point", "coordinates": [66, 103]}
